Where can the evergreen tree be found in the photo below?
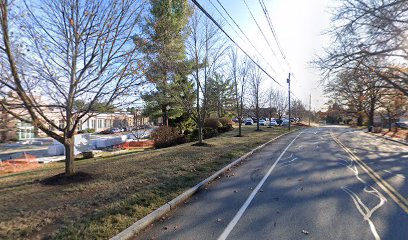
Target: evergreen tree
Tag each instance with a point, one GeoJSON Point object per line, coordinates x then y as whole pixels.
{"type": "Point", "coordinates": [220, 95]}
{"type": "Point", "coordinates": [162, 42]}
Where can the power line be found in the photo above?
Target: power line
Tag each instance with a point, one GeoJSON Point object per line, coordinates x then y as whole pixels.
{"type": "Point", "coordinates": [222, 15]}
{"type": "Point", "coordinates": [256, 22]}
{"type": "Point", "coordinates": [253, 46]}
{"type": "Point", "coordinates": [268, 18]}
{"type": "Point", "coordinates": [232, 40]}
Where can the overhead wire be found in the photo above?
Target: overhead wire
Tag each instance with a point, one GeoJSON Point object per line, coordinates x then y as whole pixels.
{"type": "Point", "coordinates": [232, 40]}
{"type": "Point", "coordinates": [222, 15]}
{"type": "Point", "coordinates": [263, 34]}
{"type": "Point", "coordinates": [269, 20]}
{"type": "Point", "coordinates": [247, 38]}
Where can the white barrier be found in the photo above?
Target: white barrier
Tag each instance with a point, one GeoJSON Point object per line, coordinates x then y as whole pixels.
{"type": "Point", "coordinates": [82, 144]}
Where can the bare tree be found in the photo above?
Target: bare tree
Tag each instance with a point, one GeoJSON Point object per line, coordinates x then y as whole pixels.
{"type": "Point", "coordinates": [298, 109]}
{"type": "Point", "coordinates": [206, 47]}
{"type": "Point", "coordinates": [64, 52]}
{"type": "Point", "coordinates": [363, 29]}
{"type": "Point", "coordinates": [255, 81]}
{"type": "Point", "coordinates": [393, 105]}
{"type": "Point", "coordinates": [270, 101]}
{"type": "Point", "coordinates": [358, 91]}
{"type": "Point", "coordinates": [239, 73]}
{"type": "Point", "coordinates": [280, 101]}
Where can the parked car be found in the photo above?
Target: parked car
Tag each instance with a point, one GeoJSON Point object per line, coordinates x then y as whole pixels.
{"type": "Point", "coordinates": [115, 130]}
{"type": "Point", "coordinates": [273, 123]}
{"type": "Point", "coordinates": [403, 125]}
{"type": "Point", "coordinates": [262, 122]}
{"type": "Point", "coordinates": [235, 120]}
{"type": "Point", "coordinates": [285, 122]}
{"type": "Point", "coordinates": [249, 121]}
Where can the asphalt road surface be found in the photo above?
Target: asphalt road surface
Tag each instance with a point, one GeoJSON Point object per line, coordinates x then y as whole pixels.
{"type": "Point", "coordinates": [319, 183]}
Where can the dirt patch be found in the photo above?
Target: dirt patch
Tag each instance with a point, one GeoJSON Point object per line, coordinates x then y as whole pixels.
{"type": "Point", "coordinates": [63, 179]}
{"type": "Point", "coordinates": [27, 162]}
{"type": "Point", "coordinates": [203, 144]}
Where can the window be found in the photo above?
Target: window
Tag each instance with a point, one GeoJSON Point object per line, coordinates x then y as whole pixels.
{"type": "Point", "coordinates": [25, 131]}
{"type": "Point", "coordinates": [61, 123]}
{"type": "Point", "coordinates": [100, 123]}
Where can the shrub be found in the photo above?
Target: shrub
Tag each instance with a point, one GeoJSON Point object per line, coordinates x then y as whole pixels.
{"type": "Point", "coordinates": [194, 135]}
{"type": "Point", "coordinates": [90, 130]}
{"type": "Point", "coordinates": [209, 132]}
{"type": "Point", "coordinates": [182, 139]}
{"type": "Point", "coordinates": [213, 123]}
{"type": "Point", "coordinates": [225, 121]}
{"type": "Point", "coordinates": [165, 136]}
{"type": "Point", "coordinates": [226, 125]}
{"type": "Point", "coordinates": [223, 129]}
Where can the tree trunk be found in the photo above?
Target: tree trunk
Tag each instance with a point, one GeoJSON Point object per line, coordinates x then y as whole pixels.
{"type": "Point", "coordinates": [257, 117]}
{"type": "Point", "coordinates": [371, 113]}
{"type": "Point", "coordinates": [239, 127]}
{"type": "Point", "coordinates": [165, 116]}
{"type": "Point", "coordinates": [200, 133]}
{"type": "Point", "coordinates": [257, 124]}
{"type": "Point", "coordinates": [360, 120]}
{"type": "Point", "coordinates": [69, 157]}
{"type": "Point", "coordinates": [389, 123]}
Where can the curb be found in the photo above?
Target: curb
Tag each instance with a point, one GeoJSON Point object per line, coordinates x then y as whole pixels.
{"type": "Point", "coordinates": [167, 207]}
{"type": "Point", "coordinates": [388, 138]}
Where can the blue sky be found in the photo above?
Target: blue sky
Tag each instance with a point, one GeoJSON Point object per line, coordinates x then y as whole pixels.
{"type": "Point", "coordinates": [298, 24]}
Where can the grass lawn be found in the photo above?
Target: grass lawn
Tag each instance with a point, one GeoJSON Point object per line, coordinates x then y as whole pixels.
{"type": "Point", "coordinates": [124, 188]}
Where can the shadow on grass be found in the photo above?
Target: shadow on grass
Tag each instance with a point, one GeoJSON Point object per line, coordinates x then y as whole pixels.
{"type": "Point", "coordinates": [62, 179]}
{"type": "Point", "coordinates": [204, 144]}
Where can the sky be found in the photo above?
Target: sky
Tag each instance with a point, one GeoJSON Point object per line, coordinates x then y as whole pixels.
{"type": "Point", "coordinates": [299, 27]}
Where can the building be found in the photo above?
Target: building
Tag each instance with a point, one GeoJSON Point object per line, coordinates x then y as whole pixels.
{"type": "Point", "coordinates": [12, 129]}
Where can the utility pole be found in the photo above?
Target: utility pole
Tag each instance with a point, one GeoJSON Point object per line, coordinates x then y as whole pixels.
{"type": "Point", "coordinates": [288, 80]}
{"type": "Point", "coordinates": [310, 107]}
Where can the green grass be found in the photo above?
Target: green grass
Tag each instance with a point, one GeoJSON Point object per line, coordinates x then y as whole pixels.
{"type": "Point", "coordinates": [125, 188]}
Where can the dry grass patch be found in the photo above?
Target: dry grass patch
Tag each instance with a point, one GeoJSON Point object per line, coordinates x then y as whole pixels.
{"type": "Point", "coordinates": [123, 188]}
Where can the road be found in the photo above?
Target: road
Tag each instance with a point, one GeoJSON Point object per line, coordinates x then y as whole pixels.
{"type": "Point", "coordinates": [310, 184]}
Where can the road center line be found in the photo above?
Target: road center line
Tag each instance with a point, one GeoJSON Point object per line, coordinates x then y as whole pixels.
{"type": "Point", "coordinates": [241, 211]}
{"type": "Point", "coordinates": [384, 185]}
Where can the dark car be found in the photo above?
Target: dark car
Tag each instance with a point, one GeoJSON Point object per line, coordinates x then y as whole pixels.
{"type": "Point", "coordinates": [403, 125]}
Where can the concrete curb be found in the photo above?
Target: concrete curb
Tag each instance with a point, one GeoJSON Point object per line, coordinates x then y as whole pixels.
{"type": "Point", "coordinates": [167, 207]}
{"type": "Point", "coordinates": [388, 138]}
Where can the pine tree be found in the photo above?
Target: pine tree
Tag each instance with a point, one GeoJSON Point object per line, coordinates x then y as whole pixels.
{"type": "Point", "coordinates": [163, 44]}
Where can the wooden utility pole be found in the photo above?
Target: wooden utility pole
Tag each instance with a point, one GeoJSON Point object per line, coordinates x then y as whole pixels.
{"type": "Point", "coordinates": [310, 107]}
{"type": "Point", "coordinates": [288, 80]}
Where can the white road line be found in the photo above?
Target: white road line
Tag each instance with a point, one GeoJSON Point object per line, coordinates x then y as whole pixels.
{"type": "Point", "coordinates": [241, 211]}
